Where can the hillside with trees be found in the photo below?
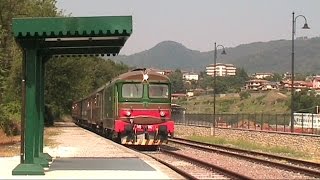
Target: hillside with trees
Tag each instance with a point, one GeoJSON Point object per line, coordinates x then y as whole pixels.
{"type": "Point", "coordinates": [272, 56]}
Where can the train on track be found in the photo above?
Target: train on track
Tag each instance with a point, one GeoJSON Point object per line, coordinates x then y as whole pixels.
{"type": "Point", "coordinates": [134, 108]}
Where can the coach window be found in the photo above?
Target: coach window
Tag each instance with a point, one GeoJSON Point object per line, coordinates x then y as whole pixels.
{"type": "Point", "coordinates": [158, 90]}
{"type": "Point", "coordinates": [98, 100]}
{"type": "Point", "coordinates": [132, 90]}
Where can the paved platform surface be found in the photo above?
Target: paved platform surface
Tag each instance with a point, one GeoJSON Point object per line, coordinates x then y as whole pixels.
{"type": "Point", "coordinates": [81, 154]}
{"type": "Point", "coordinates": [124, 164]}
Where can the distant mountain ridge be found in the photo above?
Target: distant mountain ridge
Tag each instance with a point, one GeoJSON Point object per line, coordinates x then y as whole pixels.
{"type": "Point", "coordinates": [272, 56]}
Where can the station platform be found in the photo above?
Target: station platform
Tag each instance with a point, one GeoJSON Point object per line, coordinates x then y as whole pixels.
{"type": "Point", "coordinates": [80, 154]}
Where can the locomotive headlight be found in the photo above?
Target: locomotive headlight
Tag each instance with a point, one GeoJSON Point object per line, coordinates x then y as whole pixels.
{"type": "Point", "coordinates": [145, 77]}
{"type": "Point", "coordinates": [162, 113]}
{"type": "Point", "coordinates": [128, 113]}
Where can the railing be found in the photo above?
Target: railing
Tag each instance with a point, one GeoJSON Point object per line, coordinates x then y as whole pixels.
{"type": "Point", "coordinates": [260, 122]}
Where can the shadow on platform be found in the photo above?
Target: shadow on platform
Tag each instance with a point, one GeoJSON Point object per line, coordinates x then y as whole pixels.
{"type": "Point", "coordinates": [100, 163]}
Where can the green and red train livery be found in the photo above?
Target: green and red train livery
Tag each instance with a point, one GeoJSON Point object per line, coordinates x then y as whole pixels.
{"type": "Point", "coordinates": [134, 108]}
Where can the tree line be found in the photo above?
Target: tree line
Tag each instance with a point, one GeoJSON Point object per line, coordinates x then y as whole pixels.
{"type": "Point", "coordinates": [66, 79]}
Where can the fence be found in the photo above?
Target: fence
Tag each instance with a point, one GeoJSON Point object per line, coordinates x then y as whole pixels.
{"type": "Point", "coordinates": [303, 123]}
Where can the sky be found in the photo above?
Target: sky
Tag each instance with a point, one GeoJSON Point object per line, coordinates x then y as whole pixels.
{"type": "Point", "coordinates": [197, 24]}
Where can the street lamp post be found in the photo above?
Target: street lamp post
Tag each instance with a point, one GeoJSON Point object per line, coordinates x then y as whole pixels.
{"type": "Point", "coordinates": [294, 19]}
{"type": "Point", "coordinates": [214, 81]}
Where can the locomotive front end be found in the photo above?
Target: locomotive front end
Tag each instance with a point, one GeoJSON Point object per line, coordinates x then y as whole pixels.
{"type": "Point", "coordinates": [144, 109]}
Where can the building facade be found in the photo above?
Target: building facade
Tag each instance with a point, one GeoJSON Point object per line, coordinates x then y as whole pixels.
{"type": "Point", "coordinates": [261, 75]}
{"type": "Point", "coordinates": [190, 76]}
{"type": "Point", "coordinates": [221, 69]}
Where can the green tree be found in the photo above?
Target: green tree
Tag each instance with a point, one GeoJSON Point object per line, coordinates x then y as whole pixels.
{"type": "Point", "coordinates": [275, 78]}
{"type": "Point", "coordinates": [244, 95]}
{"type": "Point", "coordinates": [300, 77]}
{"type": "Point", "coordinates": [232, 84]}
{"type": "Point", "coordinates": [10, 54]}
{"type": "Point", "coordinates": [69, 79]}
{"type": "Point", "coordinates": [206, 81]}
{"type": "Point", "coordinates": [304, 101]}
{"type": "Point", "coordinates": [176, 79]}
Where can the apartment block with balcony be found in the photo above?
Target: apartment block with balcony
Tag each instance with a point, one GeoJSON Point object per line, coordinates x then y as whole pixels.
{"type": "Point", "coordinates": [221, 69]}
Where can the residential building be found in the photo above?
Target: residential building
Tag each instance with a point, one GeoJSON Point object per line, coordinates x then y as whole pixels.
{"type": "Point", "coordinates": [190, 76]}
{"type": "Point", "coordinates": [297, 85]}
{"type": "Point", "coordinates": [190, 94]}
{"type": "Point", "coordinates": [221, 69]}
{"type": "Point", "coordinates": [287, 75]}
{"type": "Point", "coordinates": [261, 75]}
{"type": "Point", "coordinates": [176, 96]}
{"type": "Point", "coordinates": [256, 84]}
{"type": "Point", "coordinates": [316, 82]}
{"type": "Point", "coordinates": [163, 72]}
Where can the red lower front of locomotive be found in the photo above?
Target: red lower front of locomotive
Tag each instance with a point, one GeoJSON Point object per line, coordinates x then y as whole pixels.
{"type": "Point", "coordinates": [151, 127]}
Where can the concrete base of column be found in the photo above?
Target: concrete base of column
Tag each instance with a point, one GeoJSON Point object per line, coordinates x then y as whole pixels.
{"type": "Point", "coordinates": [42, 161]}
{"type": "Point", "coordinates": [46, 156]}
{"type": "Point", "coordinates": [28, 169]}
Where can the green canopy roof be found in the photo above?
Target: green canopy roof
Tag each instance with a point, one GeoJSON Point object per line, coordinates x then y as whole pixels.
{"type": "Point", "coordinates": [73, 35]}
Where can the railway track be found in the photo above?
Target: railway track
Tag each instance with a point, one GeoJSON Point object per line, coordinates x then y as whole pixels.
{"type": "Point", "coordinates": [192, 168]}
{"type": "Point", "coordinates": [183, 156]}
{"type": "Point", "coordinates": [305, 168]}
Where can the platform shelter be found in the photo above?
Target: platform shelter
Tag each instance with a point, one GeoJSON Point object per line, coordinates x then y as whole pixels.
{"type": "Point", "coordinates": [42, 38]}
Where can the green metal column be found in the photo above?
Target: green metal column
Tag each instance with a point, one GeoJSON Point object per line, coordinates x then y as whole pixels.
{"type": "Point", "coordinates": [42, 68]}
{"type": "Point", "coordinates": [38, 135]}
{"type": "Point", "coordinates": [29, 167]}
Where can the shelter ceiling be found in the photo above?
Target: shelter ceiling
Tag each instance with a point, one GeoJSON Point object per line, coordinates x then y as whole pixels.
{"type": "Point", "coordinates": [73, 35]}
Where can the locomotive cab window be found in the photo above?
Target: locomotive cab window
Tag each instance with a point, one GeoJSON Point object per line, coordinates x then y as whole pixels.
{"type": "Point", "coordinates": [158, 91]}
{"type": "Point", "coordinates": [132, 90]}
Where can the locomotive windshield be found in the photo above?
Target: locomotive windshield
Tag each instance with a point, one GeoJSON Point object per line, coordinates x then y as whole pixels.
{"type": "Point", "coordinates": [158, 90]}
{"type": "Point", "coordinates": [132, 90]}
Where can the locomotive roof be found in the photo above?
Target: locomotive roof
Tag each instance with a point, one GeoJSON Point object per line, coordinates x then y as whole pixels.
{"type": "Point", "coordinates": [138, 75]}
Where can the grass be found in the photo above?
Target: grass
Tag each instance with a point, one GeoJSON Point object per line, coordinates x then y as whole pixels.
{"type": "Point", "coordinates": [10, 145]}
{"type": "Point", "coordinates": [5, 140]}
{"type": "Point", "coordinates": [248, 145]}
{"type": "Point", "coordinates": [266, 102]}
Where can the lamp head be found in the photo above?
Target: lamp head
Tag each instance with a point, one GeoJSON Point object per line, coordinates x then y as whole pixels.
{"type": "Point", "coordinates": [305, 26]}
{"type": "Point", "coordinates": [223, 52]}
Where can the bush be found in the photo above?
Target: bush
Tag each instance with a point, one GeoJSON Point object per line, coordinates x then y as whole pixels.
{"type": "Point", "coordinates": [244, 95]}
{"type": "Point", "coordinates": [9, 127]}
{"type": "Point", "coordinates": [48, 116]}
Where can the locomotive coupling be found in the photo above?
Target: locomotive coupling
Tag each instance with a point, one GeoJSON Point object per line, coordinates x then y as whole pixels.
{"type": "Point", "coordinates": [163, 132]}
{"type": "Point", "coordinates": [129, 131]}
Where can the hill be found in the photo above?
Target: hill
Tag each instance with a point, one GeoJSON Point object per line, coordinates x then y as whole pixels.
{"type": "Point", "coordinates": [272, 56]}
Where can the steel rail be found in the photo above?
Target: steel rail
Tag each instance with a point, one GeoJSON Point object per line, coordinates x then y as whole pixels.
{"type": "Point", "coordinates": [281, 158]}
{"type": "Point", "coordinates": [181, 172]}
{"type": "Point", "coordinates": [226, 172]}
{"type": "Point", "coordinates": [285, 166]}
